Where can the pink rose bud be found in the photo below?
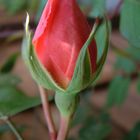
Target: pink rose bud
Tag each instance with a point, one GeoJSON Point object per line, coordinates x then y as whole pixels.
{"type": "Point", "coordinates": [59, 37]}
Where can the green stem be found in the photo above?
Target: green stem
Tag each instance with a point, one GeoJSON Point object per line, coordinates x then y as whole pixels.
{"type": "Point", "coordinates": [64, 127]}
{"type": "Point", "coordinates": [67, 104]}
{"type": "Point", "coordinates": [47, 113]}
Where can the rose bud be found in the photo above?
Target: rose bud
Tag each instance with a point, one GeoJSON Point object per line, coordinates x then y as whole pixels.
{"type": "Point", "coordinates": [64, 55]}
{"type": "Point", "coordinates": [59, 37]}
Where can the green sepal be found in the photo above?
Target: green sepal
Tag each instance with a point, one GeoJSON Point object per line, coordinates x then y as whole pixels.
{"type": "Point", "coordinates": [38, 72]}
{"type": "Point", "coordinates": [66, 103]}
{"type": "Point", "coordinates": [79, 81]}
{"type": "Point", "coordinates": [105, 31]}
{"type": "Point", "coordinates": [81, 75]}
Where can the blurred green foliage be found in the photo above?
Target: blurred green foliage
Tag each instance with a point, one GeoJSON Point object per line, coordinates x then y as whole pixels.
{"type": "Point", "coordinates": [130, 21]}
{"type": "Point", "coordinates": [14, 6]}
{"type": "Point", "coordinates": [98, 9]}
{"type": "Point", "coordinates": [125, 64]}
{"type": "Point", "coordinates": [9, 64]}
{"type": "Point", "coordinates": [40, 9]}
{"type": "Point", "coordinates": [12, 99]}
{"type": "Point", "coordinates": [5, 128]}
{"type": "Point", "coordinates": [138, 85]}
{"type": "Point", "coordinates": [95, 130]}
{"type": "Point", "coordinates": [118, 91]}
{"type": "Point", "coordinates": [134, 133]}
{"type": "Point", "coordinates": [92, 126]}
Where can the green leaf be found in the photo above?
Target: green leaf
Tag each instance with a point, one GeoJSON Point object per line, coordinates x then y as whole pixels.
{"type": "Point", "coordinates": [118, 91]}
{"type": "Point", "coordinates": [94, 130]}
{"type": "Point", "coordinates": [104, 117]}
{"type": "Point", "coordinates": [130, 21]}
{"type": "Point", "coordinates": [135, 52]}
{"type": "Point", "coordinates": [8, 80]}
{"type": "Point", "coordinates": [83, 110]}
{"type": "Point", "coordinates": [138, 85]}
{"type": "Point", "coordinates": [98, 9]}
{"type": "Point", "coordinates": [9, 64]}
{"type": "Point", "coordinates": [135, 133]}
{"type": "Point", "coordinates": [13, 101]}
{"type": "Point", "coordinates": [125, 64]}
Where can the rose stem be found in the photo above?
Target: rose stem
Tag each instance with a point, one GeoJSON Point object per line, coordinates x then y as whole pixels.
{"type": "Point", "coordinates": [64, 127]}
{"type": "Point", "coordinates": [47, 113]}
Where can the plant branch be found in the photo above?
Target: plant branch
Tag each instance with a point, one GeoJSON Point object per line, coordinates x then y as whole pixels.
{"type": "Point", "coordinates": [47, 113]}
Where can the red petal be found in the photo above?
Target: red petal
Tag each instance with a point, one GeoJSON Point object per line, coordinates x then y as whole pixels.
{"type": "Point", "coordinates": [61, 33]}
